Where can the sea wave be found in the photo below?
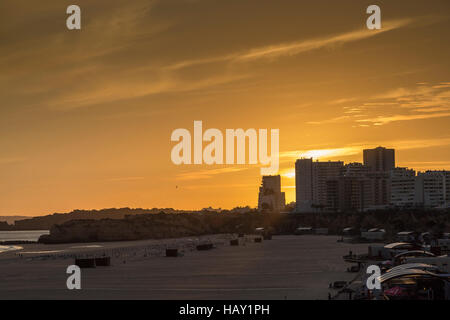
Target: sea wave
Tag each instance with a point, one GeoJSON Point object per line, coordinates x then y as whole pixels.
{"type": "Point", "coordinates": [9, 248]}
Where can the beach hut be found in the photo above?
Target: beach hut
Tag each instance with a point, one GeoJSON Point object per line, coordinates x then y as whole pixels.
{"type": "Point", "coordinates": [85, 263]}
{"type": "Point", "coordinates": [406, 236]}
{"type": "Point", "coordinates": [267, 236]}
{"type": "Point", "coordinates": [374, 234]}
{"type": "Point", "coordinates": [205, 246]}
{"type": "Point", "coordinates": [321, 231]}
{"type": "Point", "coordinates": [303, 230]}
{"type": "Point", "coordinates": [103, 262]}
{"type": "Point", "coordinates": [171, 252]}
{"type": "Point", "coordinates": [349, 231]}
{"type": "Point", "coordinates": [259, 230]}
{"type": "Point", "coordinates": [234, 242]}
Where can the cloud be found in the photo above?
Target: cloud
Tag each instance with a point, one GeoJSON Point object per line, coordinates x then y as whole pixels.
{"type": "Point", "coordinates": [420, 143]}
{"type": "Point", "coordinates": [75, 77]}
{"type": "Point", "coordinates": [208, 173]}
{"type": "Point", "coordinates": [221, 186]}
{"type": "Point", "coordinates": [380, 120]}
{"type": "Point", "coordinates": [11, 160]}
{"type": "Point", "coordinates": [424, 101]}
{"type": "Point", "coordinates": [343, 100]}
{"type": "Point", "coordinates": [125, 179]}
{"type": "Point", "coordinates": [406, 104]}
{"type": "Point", "coordinates": [294, 48]}
{"type": "Point", "coordinates": [134, 86]}
{"type": "Point", "coordinates": [428, 165]}
{"type": "Point", "coordinates": [332, 120]}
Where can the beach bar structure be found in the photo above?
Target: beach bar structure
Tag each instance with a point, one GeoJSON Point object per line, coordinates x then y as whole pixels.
{"type": "Point", "coordinates": [415, 284]}
{"type": "Point", "coordinates": [442, 262]}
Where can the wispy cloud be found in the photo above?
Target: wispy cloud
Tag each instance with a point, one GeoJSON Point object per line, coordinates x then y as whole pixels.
{"type": "Point", "coordinates": [420, 143]}
{"type": "Point", "coordinates": [220, 186]}
{"type": "Point", "coordinates": [381, 120]}
{"type": "Point", "coordinates": [331, 120]}
{"type": "Point", "coordinates": [343, 100]}
{"type": "Point", "coordinates": [208, 173]}
{"type": "Point", "coordinates": [125, 179]}
{"type": "Point", "coordinates": [424, 101]}
{"type": "Point", "coordinates": [405, 104]}
{"type": "Point", "coordinates": [11, 160]}
{"type": "Point", "coordinates": [296, 47]}
{"type": "Point", "coordinates": [135, 87]}
{"type": "Point", "coordinates": [428, 165]}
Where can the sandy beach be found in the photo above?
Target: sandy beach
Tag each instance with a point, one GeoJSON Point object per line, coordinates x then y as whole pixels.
{"type": "Point", "coordinates": [287, 267]}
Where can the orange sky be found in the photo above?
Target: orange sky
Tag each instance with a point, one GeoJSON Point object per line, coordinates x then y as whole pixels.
{"type": "Point", "coordinates": [86, 116]}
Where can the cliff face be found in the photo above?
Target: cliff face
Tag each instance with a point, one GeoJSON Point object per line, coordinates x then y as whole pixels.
{"type": "Point", "coordinates": [4, 226]}
{"type": "Point", "coordinates": [46, 222]}
{"type": "Point", "coordinates": [12, 219]}
{"type": "Point", "coordinates": [158, 226]}
{"type": "Point", "coordinates": [154, 226]}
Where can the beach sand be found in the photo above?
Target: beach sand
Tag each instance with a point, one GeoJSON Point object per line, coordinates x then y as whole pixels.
{"type": "Point", "coordinates": [287, 267]}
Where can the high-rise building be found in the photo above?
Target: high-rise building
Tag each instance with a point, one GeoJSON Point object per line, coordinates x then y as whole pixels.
{"type": "Point", "coordinates": [353, 194]}
{"type": "Point", "coordinates": [270, 196]}
{"type": "Point", "coordinates": [433, 189]}
{"type": "Point", "coordinates": [350, 191]}
{"type": "Point", "coordinates": [322, 172]}
{"type": "Point", "coordinates": [403, 187]}
{"type": "Point", "coordinates": [311, 183]}
{"type": "Point", "coordinates": [379, 189]}
{"type": "Point", "coordinates": [303, 184]}
{"type": "Point", "coordinates": [379, 159]}
{"type": "Point", "coordinates": [356, 169]}
{"type": "Point", "coordinates": [376, 184]}
{"type": "Point", "coordinates": [430, 189]}
{"type": "Point", "coordinates": [380, 162]}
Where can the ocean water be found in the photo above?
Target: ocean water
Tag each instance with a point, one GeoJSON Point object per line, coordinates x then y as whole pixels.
{"type": "Point", "coordinates": [10, 248]}
{"type": "Point", "coordinates": [22, 235]}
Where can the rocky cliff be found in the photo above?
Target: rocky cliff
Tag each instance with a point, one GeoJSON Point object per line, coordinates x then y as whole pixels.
{"type": "Point", "coordinates": [158, 226]}
{"type": "Point", "coordinates": [152, 226]}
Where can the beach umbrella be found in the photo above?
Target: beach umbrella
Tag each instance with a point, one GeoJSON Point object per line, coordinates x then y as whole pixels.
{"type": "Point", "coordinates": [394, 291]}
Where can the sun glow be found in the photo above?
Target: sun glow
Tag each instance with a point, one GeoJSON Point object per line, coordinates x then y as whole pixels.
{"type": "Point", "coordinates": [290, 174]}
{"type": "Point", "coordinates": [329, 153]}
